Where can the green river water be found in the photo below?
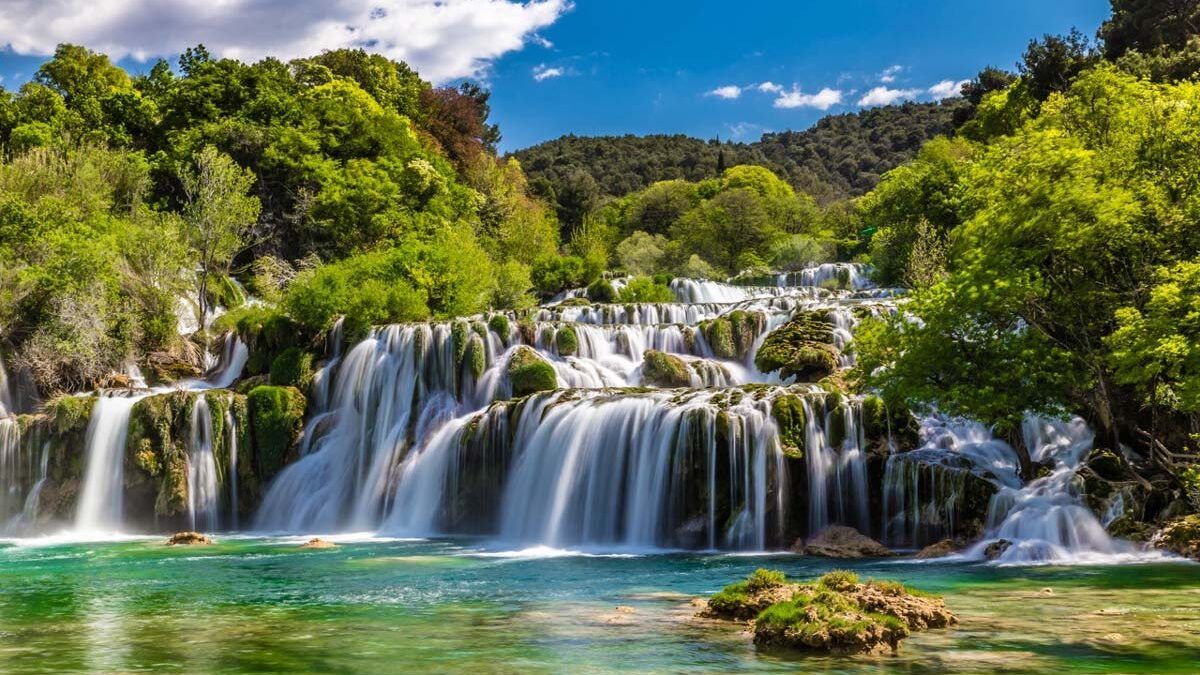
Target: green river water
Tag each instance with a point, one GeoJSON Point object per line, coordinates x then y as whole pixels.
{"type": "Point", "coordinates": [255, 605]}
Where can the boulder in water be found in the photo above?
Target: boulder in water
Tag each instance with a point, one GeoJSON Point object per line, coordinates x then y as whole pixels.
{"type": "Point", "coordinates": [834, 614]}
{"type": "Point", "coordinates": [664, 370]}
{"type": "Point", "coordinates": [189, 539]}
{"type": "Point", "coordinates": [996, 549]}
{"type": "Point", "coordinates": [839, 541]}
{"type": "Point", "coordinates": [529, 373]}
{"type": "Point", "coordinates": [317, 542]}
{"type": "Point", "coordinates": [937, 550]}
{"type": "Point", "coordinates": [1181, 536]}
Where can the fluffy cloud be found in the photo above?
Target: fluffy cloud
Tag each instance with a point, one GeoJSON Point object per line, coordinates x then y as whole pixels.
{"type": "Point", "coordinates": [542, 72]}
{"type": "Point", "coordinates": [886, 96]}
{"type": "Point", "coordinates": [769, 87]}
{"type": "Point", "coordinates": [947, 89]}
{"type": "Point", "coordinates": [822, 100]}
{"type": "Point", "coordinates": [728, 92]}
{"type": "Point", "coordinates": [889, 74]}
{"type": "Point", "coordinates": [443, 39]}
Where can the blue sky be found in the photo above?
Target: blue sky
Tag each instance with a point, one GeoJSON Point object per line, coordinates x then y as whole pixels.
{"type": "Point", "coordinates": [589, 66]}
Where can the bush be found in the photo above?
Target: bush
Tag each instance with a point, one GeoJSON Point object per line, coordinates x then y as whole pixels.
{"type": "Point", "coordinates": [601, 290]}
{"type": "Point", "coordinates": [839, 580]}
{"type": "Point", "coordinates": [554, 274]}
{"type": "Point", "coordinates": [529, 373]}
{"type": "Point", "coordinates": [642, 253]}
{"type": "Point", "coordinates": [292, 368]}
{"type": "Point", "coordinates": [368, 289]}
{"type": "Point", "coordinates": [645, 289]}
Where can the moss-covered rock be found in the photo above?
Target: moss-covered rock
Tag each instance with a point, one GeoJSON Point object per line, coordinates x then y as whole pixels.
{"type": "Point", "coordinates": [732, 335]}
{"type": "Point", "coordinates": [801, 348]}
{"type": "Point", "coordinates": [835, 614]}
{"type": "Point", "coordinates": [660, 369]}
{"type": "Point", "coordinates": [70, 413]}
{"type": "Point", "coordinates": [566, 340]}
{"type": "Point", "coordinates": [276, 421]}
{"type": "Point", "coordinates": [1181, 536]}
{"type": "Point", "coordinates": [267, 333]}
{"type": "Point", "coordinates": [499, 325]}
{"type": "Point", "coordinates": [224, 292]}
{"type": "Point", "coordinates": [529, 373]}
{"type": "Point", "coordinates": [791, 420]}
{"type": "Point", "coordinates": [476, 357]}
{"type": "Point", "coordinates": [292, 368]}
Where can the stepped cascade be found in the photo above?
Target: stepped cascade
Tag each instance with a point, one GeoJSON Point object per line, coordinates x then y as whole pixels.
{"type": "Point", "coordinates": [707, 423]}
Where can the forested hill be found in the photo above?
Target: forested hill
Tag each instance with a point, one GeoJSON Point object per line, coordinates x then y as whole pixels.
{"type": "Point", "coordinates": [840, 156]}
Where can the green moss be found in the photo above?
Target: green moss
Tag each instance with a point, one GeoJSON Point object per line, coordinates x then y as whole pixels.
{"type": "Point", "coordinates": [836, 426]}
{"type": "Point", "coordinates": [790, 418]}
{"type": "Point", "coordinates": [530, 373]}
{"type": "Point", "coordinates": [874, 413]}
{"type": "Point", "coordinates": [476, 357]}
{"type": "Point", "coordinates": [839, 580]}
{"type": "Point", "coordinates": [719, 333]}
{"type": "Point", "coordinates": [292, 368]}
{"type": "Point", "coordinates": [223, 292]}
{"type": "Point", "coordinates": [664, 370]}
{"type": "Point", "coordinates": [276, 420]}
{"type": "Point", "coordinates": [567, 340]}
{"type": "Point", "coordinates": [70, 413]}
{"type": "Point", "coordinates": [762, 579]}
{"type": "Point", "coordinates": [575, 302]}
{"type": "Point", "coordinates": [801, 348]}
{"type": "Point", "coordinates": [267, 333]}
{"type": "Point", "coordinates": [458, 336]}
{"type": "Point", "coordinates": [499, 325]}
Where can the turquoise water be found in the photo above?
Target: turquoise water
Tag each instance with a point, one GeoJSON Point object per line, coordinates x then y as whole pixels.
{"type": "Point", "coordinates": [257, 604]}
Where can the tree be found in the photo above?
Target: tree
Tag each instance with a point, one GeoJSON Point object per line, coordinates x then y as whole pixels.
{"type": "Point", "coordinates": [1148, 25]}
{"type": "Point", "coordinates": [219, 216]}
{"type": "Point", "coordinates": [577, 196]}
{"type": "Point", "coordinates": [1050, 64]}
{"type": "Point", "coordinates": [725, 227]}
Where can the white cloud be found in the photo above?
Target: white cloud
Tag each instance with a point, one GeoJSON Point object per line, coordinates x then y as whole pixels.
{"type": "Point", "coordinates": [889, 74]}
{"type": "Point", "coordinates": [542, 72]}
{"type": "Point", "coordinates": [886, 96]}
{"type": "Point", "coordinates": [947, 89]}
{"type": "Point", "coordinates": [769, 87]}
{"type": "Point", "coordinates": [743, 130]}
{"type": "Point", "coordinates": [443, 39]}
{"type": "Point", "coordinates": [728, 92]}
{"type": "Point", "coordinates": [822, 100]}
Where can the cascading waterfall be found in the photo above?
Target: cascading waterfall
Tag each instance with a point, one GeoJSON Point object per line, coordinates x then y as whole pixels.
{"type": "Point", "coordinates": [1045, 520]}
{"type": "Point", "coordinates": [232, 431]}
{"type": "Point", "coordinates": [100, 498]}
{"type": "Point", "coordinates": [203, 487]}
{"type": "Point", "coordinates": [837, 472]}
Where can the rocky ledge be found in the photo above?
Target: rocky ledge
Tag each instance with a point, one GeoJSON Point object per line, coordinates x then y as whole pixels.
{"type": "Point", "coordinates": [835, 614]}
{"type": "Point", "coordinates": [188, 539]}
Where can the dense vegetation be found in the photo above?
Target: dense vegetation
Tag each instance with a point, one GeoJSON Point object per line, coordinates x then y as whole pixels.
{"type": "Point", "coordinates": [840, 156]}
{"type": "Point", "coordinates": [338, 184]}
{"type": "Point", "coordinates": [1053, 245]}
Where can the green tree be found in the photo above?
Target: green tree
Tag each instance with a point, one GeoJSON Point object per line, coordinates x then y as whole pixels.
{"type": "Point", "coordinates": [219, 217]}
{"type": "Point", "coordinates": [727, 226]}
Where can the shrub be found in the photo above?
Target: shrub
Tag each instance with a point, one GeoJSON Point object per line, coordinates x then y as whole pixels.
{"type": "Point", "coordinates": [645, 289]}
{"type": "Point", "coordinates": [292, 368]}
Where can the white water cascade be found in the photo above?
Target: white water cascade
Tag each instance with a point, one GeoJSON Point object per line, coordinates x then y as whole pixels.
{"type": "Point", "coordinates": [203, 490]}
{"type": "Point", "coordinates": [100, 499]}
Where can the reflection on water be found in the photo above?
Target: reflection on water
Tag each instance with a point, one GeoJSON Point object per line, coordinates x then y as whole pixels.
{"type": "Point", "coordinates": [264, 604]}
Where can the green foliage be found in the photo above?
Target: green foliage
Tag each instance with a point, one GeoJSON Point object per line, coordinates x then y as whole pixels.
{"type": "Point", "coordinates": [566, 340]}
{"type": "Point", "coordinates": [644, 289]}
{"type": "Point", "coordinates": [601, 290]}
{"type": "Point", "coordinates": [1149, 25]}
{"type": "Point", "coordinates": [801, 348]}
{"type": "Point", "coordinates": [553, 274]}
{"type": "Point", "coordinates": [763, 579]}
{"type": "Point", "coordinates": [276, 419]}
{"type": "Point", "coordinates": [642, 253]}
{"type": "Point", "coordinates": [792, 422]}
{"type": "Point", "coordinates": [839, 580]}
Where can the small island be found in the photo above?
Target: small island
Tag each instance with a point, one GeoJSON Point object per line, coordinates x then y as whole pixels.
{"type": "Point", "coordinates": [836, 613]}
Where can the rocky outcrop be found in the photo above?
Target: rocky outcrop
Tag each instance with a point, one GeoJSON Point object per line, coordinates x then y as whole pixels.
{"type": "Point", "coordinates": [732, 335]}
{"type": "Point", "coordinates": [318, 543]}
{"type": "Point", "coordinates": [529, 373]}
{"type": "Point", "coordinates": [939, 549]}
{"type": "Point", "coordinates": [839, 541]}
{"type": "Point", "coordinates": [835, 614]}
{"type": "Point", "coordinates": [276, 420]}
{"type": "Point", "coordinates": [801, 348]}
{"type": "Point", "coordinates": [1180, 536]}
{"type": "Point", "coordinates": [996, 549]}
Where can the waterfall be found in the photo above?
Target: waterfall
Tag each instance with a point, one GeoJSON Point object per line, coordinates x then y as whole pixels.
{"type": "Point", "coordinates": [100, 497]}
{"type": "Point", "coordinates": [837, 469]}
{"type": "Point", "coordinates": [232, 431]}
{"type": "Point", "coordinates": [203, 488]}
{"type": "Point", "coordinates": [1045, 520]}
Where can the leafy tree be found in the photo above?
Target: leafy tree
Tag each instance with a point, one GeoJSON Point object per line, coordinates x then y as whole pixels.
{"type": "Point", "coordinates": [645, 289]}
{"type": "Point", "coordinates": [219, 217]}
{"type": "Point", "coordinates": [1050, 64]}
{"type": "Point", "coordinates": [725, 227]}
{"type": "Point", "coordinates": [642, 253]}
{"type": "Point", "coordinates": [1148, 25]}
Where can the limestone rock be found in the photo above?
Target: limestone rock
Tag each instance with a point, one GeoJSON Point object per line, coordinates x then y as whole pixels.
{"type": "Point", "coordinates": [317, 542]}
{"type": "Point", "coordinates": [937, 550]}
{"type": "Point", "coordinates": [189, 539]}
{"type": "Point", "coordinates": [1180, 536]}
{"type": "Point", "coordinates": [839, 541]}
{"type": "Point", "coordinates": [996, 549]}
{"type": "Point", "coordinates": [664, 370]}
{"type": "Point", "coordinates": [529, 373]}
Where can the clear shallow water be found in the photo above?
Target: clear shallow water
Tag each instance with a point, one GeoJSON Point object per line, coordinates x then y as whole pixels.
{"type": "Point", "coordinates": [388, 606]}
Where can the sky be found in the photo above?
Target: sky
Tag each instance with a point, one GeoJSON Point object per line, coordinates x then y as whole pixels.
{"type": "Point", "coordinates": [733, 70]}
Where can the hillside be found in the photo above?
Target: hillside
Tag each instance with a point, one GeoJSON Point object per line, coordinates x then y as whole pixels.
{"type": "Point", "coordinates": [840, 156]}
